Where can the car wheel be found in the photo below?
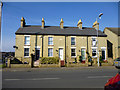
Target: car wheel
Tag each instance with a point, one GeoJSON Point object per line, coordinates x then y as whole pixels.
{"type": "Point", "coordinates": [117, 67]}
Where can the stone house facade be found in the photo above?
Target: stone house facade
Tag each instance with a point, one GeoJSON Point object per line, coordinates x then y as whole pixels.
{"type": "Point", "coordinates": [113, 42]}
{"type": "Point", "coordinates": [67, 43]}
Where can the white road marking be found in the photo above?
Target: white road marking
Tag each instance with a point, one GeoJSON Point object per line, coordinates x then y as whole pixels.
{"type": "Point", "coordinates": [32, 79]}
{"type": "Point", "coordinates": [99, 76]}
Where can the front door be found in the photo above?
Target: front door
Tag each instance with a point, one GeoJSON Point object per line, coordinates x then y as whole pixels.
{"type": "Point", "coordinates": [103, 54]}
{"type": "Point", "coordinates": [83, 53]}
{"type": "Point", "coordinates": [37, 54]}
{"type": "Point", "coordinates": [61, 53]}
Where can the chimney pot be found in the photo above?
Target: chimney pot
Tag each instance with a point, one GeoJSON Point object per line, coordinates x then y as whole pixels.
{"type": "Point", "coordinates": [61, 23]}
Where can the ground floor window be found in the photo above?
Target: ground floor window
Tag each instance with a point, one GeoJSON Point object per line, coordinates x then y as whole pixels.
{"type": "Point", "coordinates": [26, 52]}
{"type": "Point", "coordinates": [73, 52]}
{"type": "Point", "coordinates": [94, 52]}
{"type": "Point", "coordinates": [50, 52]}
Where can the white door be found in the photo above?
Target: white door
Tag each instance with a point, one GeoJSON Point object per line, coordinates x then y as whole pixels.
{"type": "Point", "coordinates": [83, 53]}
{"type": "Point", "coordinates": [61, 53]}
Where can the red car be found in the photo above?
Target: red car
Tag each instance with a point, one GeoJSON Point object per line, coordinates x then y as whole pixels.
{"type": "Point", "coordinates": [113, 83]}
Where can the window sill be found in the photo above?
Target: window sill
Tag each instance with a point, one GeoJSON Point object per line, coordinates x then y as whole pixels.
{"type": "Point", "coordinates": [26, 44]}
{"type": "Point", "coordinates": [26, 56]}
{"type": "Point", "coordinates": [73, 56]}
{"type": "Point", "coordinates": [50, 56]}
{"type": "Point", "coordinates": [50, 45]}
{"type": "Point", "coordinates": [94, 56]}
{"type": "Point", "coordinates": [73, 45]}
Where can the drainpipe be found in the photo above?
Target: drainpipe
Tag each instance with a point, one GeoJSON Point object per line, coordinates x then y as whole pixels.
{"type": "Point", "coordinates": [35, 45]}
{"type": "Point", "coordinates": [42, 44]}
{"type": "Point", "coordinates": [65, 50]}
{"type": "Point", "coordinates": [87, 43]}
{"type": "Point", "coordinates": [87, 46]}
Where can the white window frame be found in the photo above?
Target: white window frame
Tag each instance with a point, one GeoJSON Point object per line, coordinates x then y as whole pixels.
{"type": "Point", "coordinates": [75, 52]}
{"type": "Point", "coordinates": [50, 41]}
{"type": "Point", "coordinates": [25, 39]}
{"type": "Point", "coordinates": [104, 48]}
{"type": "Point", "coordinates": [28, 52]}
{"type": "Point", "coordinates": [96, 52]}
{"type": "Point", "coordinates": [50, 52]}
{"type": "Point", "coordinates": [95, 40]}
{"type": "Point", "coordinates": [74, 40]}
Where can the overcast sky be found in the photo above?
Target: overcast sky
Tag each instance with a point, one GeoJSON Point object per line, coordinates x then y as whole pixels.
{"type": "Point", "coordinates": [52, 13]}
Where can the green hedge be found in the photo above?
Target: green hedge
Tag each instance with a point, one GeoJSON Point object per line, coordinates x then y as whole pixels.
{"type": "Point", "coordinates": [49, 60]}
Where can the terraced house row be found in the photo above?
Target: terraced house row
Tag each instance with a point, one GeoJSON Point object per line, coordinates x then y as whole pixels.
{"type": "Point", "coordinates": [67, 43]}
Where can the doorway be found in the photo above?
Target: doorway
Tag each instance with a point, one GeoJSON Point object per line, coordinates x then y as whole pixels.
{"type": "Point", "coordinates": [61, 56]}
{"type": "Point", "coordinates": [103, 54]}
{"type": "Point", "coordinates": [83, 51]}
{"type": "Point", "coordinates": [37, 54]}
{"type": "Point", "coordinates": [61, 53]}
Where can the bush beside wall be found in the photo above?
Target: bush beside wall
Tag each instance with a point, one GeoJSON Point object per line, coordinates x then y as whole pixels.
{"type": "Point", "coordinates": [49, 60]}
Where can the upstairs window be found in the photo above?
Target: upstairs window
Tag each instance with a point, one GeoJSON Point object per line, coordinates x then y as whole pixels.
{"type": "Point", "coordinates": [50, 40]}
{"type": "Point", "coordinates": [27, 40]}
{"type": "Point", "coordinates": [94, 42]}
{"type": "Point", "coordinates": [72, 40]}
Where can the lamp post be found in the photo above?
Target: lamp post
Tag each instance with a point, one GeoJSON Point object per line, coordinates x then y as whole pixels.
{"type": "Point", "coordinates": [97, 39]}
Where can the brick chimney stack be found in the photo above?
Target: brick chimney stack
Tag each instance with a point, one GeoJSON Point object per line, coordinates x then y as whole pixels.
{"type": "Point", "coordinates": [43, 23]}
{"type": "Point", "coordinates": [22, 22]}
{"type": "Point", "coordinates": [96, 25]}
{"type": "Point", "coordinates": [61, 23]}
{"type": "Point", "coordinates": [79, 25]}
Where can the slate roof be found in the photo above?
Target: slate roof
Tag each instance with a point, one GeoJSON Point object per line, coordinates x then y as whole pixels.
{"type": "Point", "coordinates": [56, 30]}
{"type": "Point", "coordinates": [114, 30]}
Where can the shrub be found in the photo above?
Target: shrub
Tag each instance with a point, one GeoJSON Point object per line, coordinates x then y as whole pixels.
{"type": "Point", "coordinates": [100, 59]}
{"type": "Point", "coordinates": [15, 61]}
{"type": "Point", "coordinates": [50, 60]}
{"type": "Point", "coordinates": [90, 59]}
{"type": "Point", "coordinates": [80, 58]}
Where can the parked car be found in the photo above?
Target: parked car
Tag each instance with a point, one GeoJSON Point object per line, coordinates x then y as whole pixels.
{"type": "Point", "coordinates": [117, 62]}
{"type": "Point", "coordinates": [113, 83]}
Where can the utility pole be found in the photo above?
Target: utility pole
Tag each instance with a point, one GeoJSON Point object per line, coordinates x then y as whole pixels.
{"type": "Point", "coordinates": [97, 39]}
{"type": "Point", "coordinates": [0, 22]}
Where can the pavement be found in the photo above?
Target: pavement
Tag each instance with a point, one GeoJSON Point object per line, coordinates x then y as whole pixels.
{"type": "Point", "coordinates": [64, 77]}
